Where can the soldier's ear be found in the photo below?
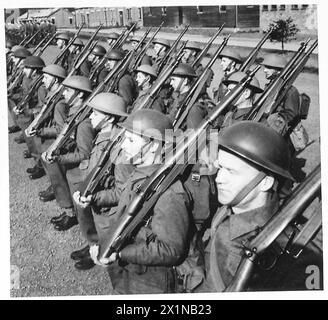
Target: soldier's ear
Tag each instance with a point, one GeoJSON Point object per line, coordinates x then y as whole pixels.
{"type": "Point", "coordinates": [267, 183]}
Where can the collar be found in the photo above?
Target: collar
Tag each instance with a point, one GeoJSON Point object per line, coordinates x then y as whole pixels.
{"type": "Point", "coordinates": [243, 223]}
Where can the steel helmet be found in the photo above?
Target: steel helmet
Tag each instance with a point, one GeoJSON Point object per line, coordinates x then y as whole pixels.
{"type": "Point", "coordinates": [163, 42]}
{"type": "Point", "coordinates": [22, 53]}
{"type": "Point", "coordinates": [274, 61]}
{"type": "Point", "coordinates": [115, 55]}
{"type": "Point", "coordinates": [231, 54]}
{"type": "Point", "coordinates": [258, 144]}
{"type": "Point", "coordinates": [33, 62]}
{"type": "Point", "coordinates": [16, 47]}
{"type": "Point", "coordinates": [109, 103]}
{"type": "Point", "coordinates": [55, 70]}
{"type": "Point", "coordinates": [193, 46]}
{"type": "Point", "coordinates": [113, 35]}
{"type": "Point", "coordinates": [99, 51]}
{"type": "Point", "coordinates": [63, 36]}
{"type": "Point", "coordinates": [184, 70]}
{"type": "Point", "coordinates": [147, 69]}
{"type": "Point", "coordinates": [149, 123]}
{"type": "Point", "coordinates": [78, 82]}
{"type": "Point", "coordinates": [236, 77]}
{"type": "Point", "coordinates": [78, 42]}
{"type": "Point", "coordinates": [135, 38]}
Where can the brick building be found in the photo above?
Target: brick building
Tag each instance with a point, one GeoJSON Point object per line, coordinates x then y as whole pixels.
{"type": "Point", "coordinates": [109, 17]}
{"type": "Point", "coordinates": [304, 16]}
{"type": "Point", "coordinates": [240, 17]}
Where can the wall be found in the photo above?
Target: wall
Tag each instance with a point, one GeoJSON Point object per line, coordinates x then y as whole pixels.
{"type": "Point", "coordinates": [304, 18]}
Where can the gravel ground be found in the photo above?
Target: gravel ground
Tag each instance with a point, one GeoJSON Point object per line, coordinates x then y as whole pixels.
{"type": "Point", "coordinates": [42, 254]}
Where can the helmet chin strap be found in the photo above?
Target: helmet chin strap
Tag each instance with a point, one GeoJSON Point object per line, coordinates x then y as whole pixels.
{"type": "Point", "coordinates": [247, 189]}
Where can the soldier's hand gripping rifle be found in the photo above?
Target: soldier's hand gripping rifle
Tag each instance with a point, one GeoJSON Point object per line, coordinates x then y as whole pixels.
{"type": "Point", "coordinates": [55, 97]}
{"type": "Point", "coordinates": [103, 165]}
{"type": "Point", "coordinates": [170, 52]}
{"type": "Point", "coordinates": [269, 96]}
{"type": "Point", "coordinates": [149, 192]}
{"type": "Point", "coordinates": [140, 55]}
{"type": "Point", "coordinates": [65, 49]}
{"type": "Point", "coordinates": [82, 113]}
{"type": "Point", "coordinates": [252, 55]}
{"type": "Point", "coordinates": [204, 51]}
{"type": "Point", "coordinates": [189, 100]}
{"type": "Point", "coordinates": [297, 203]}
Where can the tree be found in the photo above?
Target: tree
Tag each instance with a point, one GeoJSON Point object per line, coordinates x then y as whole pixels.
{"type": "Point", "coordinates": [283, 30]}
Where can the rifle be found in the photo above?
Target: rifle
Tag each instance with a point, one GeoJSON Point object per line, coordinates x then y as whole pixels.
{"type": "Point", "coordinates": [144, 49]}
{"type": "Point", "coordinates": [202, 54]}
{"type": "Point", "coordinates": [300, 199]}
{"type": "Point", "coordinates": [147, 194]}
{"type": "Point", "coordinates": [188, 101]}
{"type": "Point", "coordinates": [30, 39]}
{"type": "Point", "coordinates": [169, 53]}
{"type": "Point", "coordinates": [38, 46]}
{"type": "Point", "coordinates": [118, 44]}
{"type": "Point", "coordinates": [83, 112]}
{"type": "Point", "coordinates": [267, 98]}
{"type": "Point", "coordinates": [47, 44]}
{"type": "Point", "coordinates": [252, 55]}
{"type": "Point", "coordinates": [24, 40]}
{"type": "Point", "coordinates": [50, 104]}
{"type": "Point", "coordinates": [65, 49]}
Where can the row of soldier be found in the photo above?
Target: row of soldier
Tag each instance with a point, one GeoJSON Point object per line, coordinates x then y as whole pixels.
{"type": "Point", "coordinates": [195, 231]}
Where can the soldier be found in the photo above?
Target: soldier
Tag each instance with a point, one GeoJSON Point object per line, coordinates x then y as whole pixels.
{"type": "Point", "coordinates": [146, 264]}
{"type": "Point", "coordinates": [108, 108]}
{"type": "Point", "coordinates": [230, 59]}
{"type": "Point", "coordinates": [181, 81]}
{"type": "Point", "coordinates": [62, 40]}
{"type": "Point", "coordinates": [75, 49]}
{"type": "Point", "coordinates": [98, 72]}
{"type": "Point", "coordinates": [252, 162]}
{"type": "Point", "coordinates": [287, 114]}
{"type": "Point", "coordinates": [244, 102]}
{"type": "Point", "coordinates": [53, 75]}
{"type": "Point", "coordinates": [19, 55]}
{"type": "Point", "coordinates": [112, 38]}
{"type": "Point", "coordinates": [146, 75]}
{"type": "Point", "coordinates": [126, 86]}
{"type": "Point", "coordinates": [77, 88]}
{"type": "Point", "coordinates": [161, 46]}
{"type": "Point", "coordinates": [146, 58]}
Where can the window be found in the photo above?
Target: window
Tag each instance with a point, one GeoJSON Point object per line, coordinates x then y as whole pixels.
{"type": "Point", "coordinates": [128, 12]}
{"type": "Point", "coordinates": [163, 11]}
{"type": "Point", "coordinates": [147, 11]}
{"type": "Point", "coordinates": [282, 7]}
{"type": "Point", "coordinates": [265, 8]}
{"type": "Point", "coordinates": [70, 20]}
{"type": "Point", "coordinates": [273, 8]}
{"type": "Point", "coordinates": [304, 6]}
{"type": "Point", "coordinates": [222, 9]}
{"type": "Point", "coordinates": [294, 6]}
{"type": "Point", "coordinates": [140, 13]}
{"type": "Point", "coordinates": [199, 10]}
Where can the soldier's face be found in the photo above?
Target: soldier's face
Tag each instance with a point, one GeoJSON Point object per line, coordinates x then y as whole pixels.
{"type": "Point", "coordinates": [110, 64]}
{"type": "Point", "coordinates": [141, 79]}
{"type": "Point", "coordinates": [27, 71]}
{"type": "Point", "coordinates": [68, 94]}
{"type": "Point", "coordinates": [234, 175]}
{"type": "Point", "coordinates": [134, 44]}
{"type": "Point", "coordinates": [226, 63]}
{"type": "Point", "coordinates": [47, 80]}
{"type": "Point", "coordinates": [158, 48]}
{"type": "Point", "coordinates": [60, 43]}
{"type": "Point", "coordinates": [97, 119]}
{"type": "Point", "coordinates": [175, 82]}
{"type": "Point", "coordinates": [187, 54]}
{"type": "Point", "coordinates": [91, 57]}
{"type": "Point", "coordinates": [269, 72]}
{"type": "Point", "coordinates": [133, 147]}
